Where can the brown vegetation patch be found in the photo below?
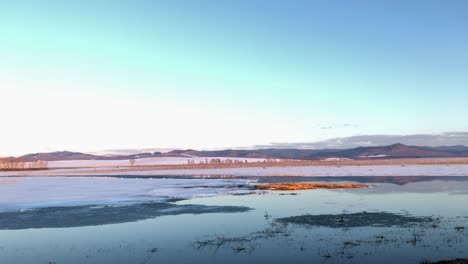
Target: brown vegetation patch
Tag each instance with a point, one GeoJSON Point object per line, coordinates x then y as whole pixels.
{"type": "Point", "coordinates": [18, 164]}
{"type": "Point", "coordinates": [294, 186]}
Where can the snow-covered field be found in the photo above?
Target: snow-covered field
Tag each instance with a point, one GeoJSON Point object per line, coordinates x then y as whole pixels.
{"type": "Point", "coordinates": [96, 168]}
{"type": "Point", "coordinates": [373, 170]}
{"type": "Point", "coordinates": [140, 162]}
{"type": "Point", "coordinates": [36, 192]}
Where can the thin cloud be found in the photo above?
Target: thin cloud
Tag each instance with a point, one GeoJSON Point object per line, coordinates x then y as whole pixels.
{"type": "Point", "coordinates": [432, 140]}
{"type": "Point", "coordinates": [346, 125]}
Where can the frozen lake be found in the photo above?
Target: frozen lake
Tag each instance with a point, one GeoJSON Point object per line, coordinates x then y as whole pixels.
{"type": "Point", "coordinates": [214, 220]}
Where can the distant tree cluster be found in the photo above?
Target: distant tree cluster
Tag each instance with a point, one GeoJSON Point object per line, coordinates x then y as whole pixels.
{"type": "Point", "coordinates": [227, 161]}
{"type": "Point", "coordinates": [17, 164]}
{"type": "Point", "coordinates": [216, 161]}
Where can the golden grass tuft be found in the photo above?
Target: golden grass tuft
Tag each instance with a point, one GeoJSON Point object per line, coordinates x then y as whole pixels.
{"type": "Point", "coordinates": [295, 186]}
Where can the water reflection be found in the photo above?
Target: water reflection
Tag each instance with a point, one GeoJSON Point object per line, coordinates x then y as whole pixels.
{"type": "Point", "coordinates": [400, 220]}
{"type": "Point", "coordinates": [398, 180]}
{"type": "Point", "coordinates": [351, 238]}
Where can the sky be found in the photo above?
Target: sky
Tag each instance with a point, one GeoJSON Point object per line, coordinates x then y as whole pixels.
{"type": "Point", "coordinates": [95, 75]}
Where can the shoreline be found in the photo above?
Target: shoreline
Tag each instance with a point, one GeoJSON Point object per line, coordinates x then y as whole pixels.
{"type": "Point", "coordinates": [327, 168]}
{"type": "Point", "coordinates": [264, 169]}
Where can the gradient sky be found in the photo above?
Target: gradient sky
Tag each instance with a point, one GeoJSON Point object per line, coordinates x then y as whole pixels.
{"type": "Point", "coordinates": [91, 75]}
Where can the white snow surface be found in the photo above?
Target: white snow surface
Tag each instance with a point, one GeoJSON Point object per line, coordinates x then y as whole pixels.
{"type": "Point", "coordinates": [374, 156]}
{"type": "Point", "coordinates": [143, 161]}
{"type": "Point", "coordinates": [20, 193]}
{"type": "Point", "coordinates": [370, 170]}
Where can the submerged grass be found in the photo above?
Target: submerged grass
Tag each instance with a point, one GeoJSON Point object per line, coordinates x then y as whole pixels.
{"type": "Point", "coordinates": [362, 219]}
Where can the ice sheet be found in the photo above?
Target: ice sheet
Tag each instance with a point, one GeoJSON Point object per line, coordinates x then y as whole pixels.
{"type": "Point", "coordinates": [34, 192]}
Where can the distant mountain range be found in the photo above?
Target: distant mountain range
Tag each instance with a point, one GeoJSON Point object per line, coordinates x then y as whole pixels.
{"type": "Point", "coordinates": [392, 151]}
{"type": "Point", "coordinates": [68, 155]}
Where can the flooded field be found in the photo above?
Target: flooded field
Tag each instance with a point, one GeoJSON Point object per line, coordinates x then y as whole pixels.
{"type": "Point", "coordinates": [219, 220]}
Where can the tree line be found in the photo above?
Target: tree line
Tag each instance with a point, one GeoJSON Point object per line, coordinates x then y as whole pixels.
{"type": "Point", "coordinates": [18, 164]}
{"type": "Point", "coordinates": [228, 161]}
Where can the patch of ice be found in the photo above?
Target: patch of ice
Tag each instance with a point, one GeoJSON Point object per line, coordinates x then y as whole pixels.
{"type": "Point", "coordinates": [374, 156]}
{"type": "Point", "coordinates": [36, 192]}
{"type": "Point", "coordinates": [335, 159]}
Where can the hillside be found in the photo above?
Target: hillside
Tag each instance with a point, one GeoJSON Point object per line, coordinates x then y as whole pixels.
{"type": "Point", "coordinates": [392, 151]}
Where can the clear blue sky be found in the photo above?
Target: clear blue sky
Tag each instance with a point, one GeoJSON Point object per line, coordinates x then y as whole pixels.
{"type": "Point", "coordinates": [97, 74]}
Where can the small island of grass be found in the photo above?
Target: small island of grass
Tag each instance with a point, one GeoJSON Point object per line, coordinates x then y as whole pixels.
{"type": "Point", "coordinates": [295, 186]}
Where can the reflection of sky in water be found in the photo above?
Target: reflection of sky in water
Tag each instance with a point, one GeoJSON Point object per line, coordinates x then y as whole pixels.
{"type": "Point", "coordinates": [174, 235]}
{"type": "Point", "coordinates": [436, 186]}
